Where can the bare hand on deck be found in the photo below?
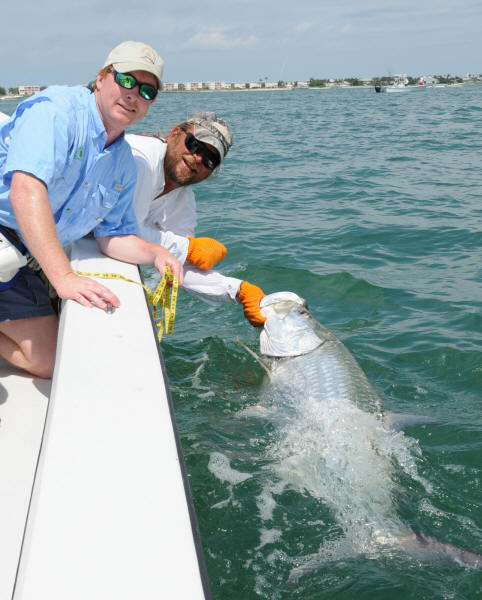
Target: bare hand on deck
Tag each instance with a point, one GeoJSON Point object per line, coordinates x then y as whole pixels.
{"type": "Point", "coordinates": [86, 291]}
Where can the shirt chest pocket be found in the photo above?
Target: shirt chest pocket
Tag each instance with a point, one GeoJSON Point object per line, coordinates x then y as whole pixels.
{"type": "Point", "coordinates": [102, 200]}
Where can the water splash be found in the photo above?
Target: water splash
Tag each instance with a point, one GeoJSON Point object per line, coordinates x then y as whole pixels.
{"type": "Point", "coordinates": [345, 458]}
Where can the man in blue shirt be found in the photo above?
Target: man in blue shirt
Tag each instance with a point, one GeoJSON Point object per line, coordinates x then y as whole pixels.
{"type": "Point", "coordinates": [66, 170]}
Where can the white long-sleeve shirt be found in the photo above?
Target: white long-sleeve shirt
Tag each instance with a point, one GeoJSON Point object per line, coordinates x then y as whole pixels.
{"type": "Point", "coordinates": [168, 220]}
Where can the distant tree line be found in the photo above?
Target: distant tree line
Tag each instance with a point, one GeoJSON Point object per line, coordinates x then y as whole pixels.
{"type": "Point", "coordinates": [11, 91]}
{"type": "Point", "coordinates": [317, 82]}
{"type": "Point", "coordinates": [354, 81]}
{"type": "Point", "coordinates": [448, 78]}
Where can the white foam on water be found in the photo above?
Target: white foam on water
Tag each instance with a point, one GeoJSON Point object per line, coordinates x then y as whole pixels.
{"type": "Point", "coordinates": [266, 505]}
{"type": "Point", "coordinates": [344, 457]}
{"type": "Point", "coordinates": [454, 468]}
{"type": "Point", "coordinates": [196, 378]}
{"type": "Point", "coordinates": [268, 536]}
{"type": "Point", "coordinates": [427, 507]}
{"type": "Point", "coordinates": [220, 467]}
{"type": "Point", "coordinates": [331, 551]}
{"type": "Point", "coordinates": [256, 410]}
{"type": "Point", "coordinates": [228, 500]}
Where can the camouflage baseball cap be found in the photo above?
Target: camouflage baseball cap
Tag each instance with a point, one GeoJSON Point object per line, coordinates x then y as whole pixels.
{"type": "Point", "coordinates": [212, 129]}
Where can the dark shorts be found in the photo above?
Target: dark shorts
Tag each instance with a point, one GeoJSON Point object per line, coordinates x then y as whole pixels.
{"type": "Point", "coordinates": [28, 297]}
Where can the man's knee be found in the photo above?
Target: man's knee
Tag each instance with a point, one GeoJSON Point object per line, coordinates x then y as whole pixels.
{"type": "Point", "coordinates": [41, 353]}
{"type": "Point", "coordinates": [30, 344]}
{"type": "Point", "coordinates": [43, 366]}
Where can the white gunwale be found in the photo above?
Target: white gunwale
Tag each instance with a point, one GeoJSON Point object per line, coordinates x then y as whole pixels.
{"type": "Point", "coordinates": [111, 514]}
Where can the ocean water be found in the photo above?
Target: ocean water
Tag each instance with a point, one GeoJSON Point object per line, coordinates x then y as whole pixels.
{"type": "Point", "coordinates": [369, 206]}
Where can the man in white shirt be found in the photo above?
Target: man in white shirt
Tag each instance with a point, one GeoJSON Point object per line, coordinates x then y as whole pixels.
{"type": "Point", "coordinates": [165, 205]}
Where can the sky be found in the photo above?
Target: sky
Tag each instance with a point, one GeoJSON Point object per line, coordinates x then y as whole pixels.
{"type": "Point", "coordinates": [66, 42]}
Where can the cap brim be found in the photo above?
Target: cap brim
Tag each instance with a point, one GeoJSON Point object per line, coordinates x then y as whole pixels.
{"type": "Point", "coordinates": [127, 67]}
{"type": "Point", "coordinates": [204, 135]}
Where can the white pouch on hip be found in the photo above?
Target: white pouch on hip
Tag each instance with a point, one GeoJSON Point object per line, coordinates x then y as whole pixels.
{"type": "Point", "coordinates": [11, 259]}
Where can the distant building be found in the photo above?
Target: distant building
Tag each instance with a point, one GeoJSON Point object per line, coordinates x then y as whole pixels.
{"type": "Point", "coordinates": [28, 90]}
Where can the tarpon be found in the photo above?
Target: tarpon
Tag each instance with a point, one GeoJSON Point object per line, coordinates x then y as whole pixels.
{"type": "Point", "coordinates": [335, 441]}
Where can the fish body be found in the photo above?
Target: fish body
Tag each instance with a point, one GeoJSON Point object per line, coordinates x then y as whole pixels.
{"type": "Point", "coordinates": [306, 353]}
{"type": "Point", "coordinates": [332, 440]}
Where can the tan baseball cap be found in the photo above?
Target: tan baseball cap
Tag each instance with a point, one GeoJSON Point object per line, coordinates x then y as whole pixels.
{"type": "Point", "coordinates": [136, 56]}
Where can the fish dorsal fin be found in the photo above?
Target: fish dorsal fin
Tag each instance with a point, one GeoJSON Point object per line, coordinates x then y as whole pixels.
{"type": "Point", "coordinates": [254, 355]}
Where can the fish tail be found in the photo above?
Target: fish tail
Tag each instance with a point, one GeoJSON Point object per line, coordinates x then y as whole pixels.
{"type": "Point", "coordinates": [449, 552]}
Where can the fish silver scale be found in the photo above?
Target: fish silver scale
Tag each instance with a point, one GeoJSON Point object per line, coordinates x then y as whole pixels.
{"type": "Point", "coordinates": [328, 373]}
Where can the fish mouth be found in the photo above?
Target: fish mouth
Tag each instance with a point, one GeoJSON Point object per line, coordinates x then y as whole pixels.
{"type": "Point", "coordinates": [288, 330]}
{"type": "Point", "coordinates": [281, 304]}
{"type": "Point", "coordinates": [285, 300]}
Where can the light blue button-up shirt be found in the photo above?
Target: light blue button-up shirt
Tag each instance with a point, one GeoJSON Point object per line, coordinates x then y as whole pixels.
{"type": "Point", "coordinates": [58, 136]}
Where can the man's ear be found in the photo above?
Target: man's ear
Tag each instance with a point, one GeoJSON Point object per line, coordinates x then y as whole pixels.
{"type": "Point", "coordinates": [99, 81]}
{"type": "Point", "coordinates": [176, 131]}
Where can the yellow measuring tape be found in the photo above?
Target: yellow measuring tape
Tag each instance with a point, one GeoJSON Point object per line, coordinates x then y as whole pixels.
{"type": "Point", "coordinates": [160, 296]}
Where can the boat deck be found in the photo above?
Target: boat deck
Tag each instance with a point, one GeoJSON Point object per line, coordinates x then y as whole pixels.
{"type": "Point", "coordinates": [23, 409]}
{"type": "Point", "coordinates": [111, 514]}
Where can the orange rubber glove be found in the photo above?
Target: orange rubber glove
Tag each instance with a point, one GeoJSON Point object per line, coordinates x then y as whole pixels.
{"type": "Point", "coordinates": [205, 252]}
{"type": "Point", "coordinates": [250, 296]}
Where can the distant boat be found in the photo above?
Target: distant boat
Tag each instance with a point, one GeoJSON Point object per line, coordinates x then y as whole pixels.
{"type": "Point", "coordinates": [400, 84]}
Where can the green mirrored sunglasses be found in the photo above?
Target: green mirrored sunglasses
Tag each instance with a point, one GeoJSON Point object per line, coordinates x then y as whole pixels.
{"type": "Point", "coordinates": [128, 81]}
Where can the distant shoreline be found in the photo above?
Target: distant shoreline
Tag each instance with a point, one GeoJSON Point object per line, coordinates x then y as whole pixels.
{"type": "Point", "coordinates": [290, 89]}
{"type": "Point", "coordinates": [276, 89]}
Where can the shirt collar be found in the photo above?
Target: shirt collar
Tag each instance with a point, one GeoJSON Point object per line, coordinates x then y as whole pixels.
{"type": "Point", "coordinates": [100, 134]}
{"type": "Point", "coordinates": [99, 129]}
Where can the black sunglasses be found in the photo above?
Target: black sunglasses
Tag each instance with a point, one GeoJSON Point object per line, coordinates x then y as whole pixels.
{"type": "Point", "coordinates": [128, 81]}
{"type": "Point", "coordinates": [210, 159]}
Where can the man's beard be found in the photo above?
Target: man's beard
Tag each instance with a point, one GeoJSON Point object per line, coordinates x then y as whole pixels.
{"type": "Point", "coordinates": [170, 163]}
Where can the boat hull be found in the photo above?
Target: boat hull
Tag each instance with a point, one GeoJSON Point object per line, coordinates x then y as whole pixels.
{"type": "Point", "coordinates": [401, 89]}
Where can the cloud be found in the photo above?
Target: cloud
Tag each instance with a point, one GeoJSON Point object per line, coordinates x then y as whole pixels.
{"type": "Point", "coordinates": [302, 27]}
{"type": "Point", "coordinates": [217, 40]}
{"type": "Point", "coordinates": [66, 42]}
